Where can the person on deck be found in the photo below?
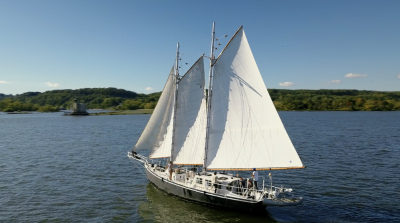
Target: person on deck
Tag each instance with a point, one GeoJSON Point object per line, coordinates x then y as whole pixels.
{"type": "Point", "coordinates": [255, 178]}
{"type": "Point", "coordinates": [192, 173]}
{"type": "Point", "coordinates": [215, 182]}
{"type": "Point", "coordinates": [242, 185]}
{"type": "Point", "coordinates": [169, 170]}
{"type": "Point", "coordinates": [249, 185]}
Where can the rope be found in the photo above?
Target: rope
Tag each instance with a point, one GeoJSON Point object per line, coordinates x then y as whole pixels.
{"type": "Point", "coordinates": [138, 167]}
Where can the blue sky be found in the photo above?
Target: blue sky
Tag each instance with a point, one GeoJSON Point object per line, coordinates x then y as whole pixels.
{"type": "Point", "coordinates": [47, 45]}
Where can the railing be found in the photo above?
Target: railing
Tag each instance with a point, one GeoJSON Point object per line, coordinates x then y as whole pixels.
{"type": "Point", "coordinates": [270, 192]}
{"type": "Point", "coordinates": [232, 190]}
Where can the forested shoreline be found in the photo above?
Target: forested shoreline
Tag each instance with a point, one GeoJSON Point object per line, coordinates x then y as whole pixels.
{"type": "Point", "coordinates": [120, 99]}
{"type": "Point", "coordinates": [94, 98]}
{"type": "Point", "coordinates": [335, 100]}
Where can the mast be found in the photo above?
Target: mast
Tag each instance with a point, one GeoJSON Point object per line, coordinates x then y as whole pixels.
{"type": "Point", "coordinates": [209, 97]}
{"type": "Point", "coordinates": [175, 101]}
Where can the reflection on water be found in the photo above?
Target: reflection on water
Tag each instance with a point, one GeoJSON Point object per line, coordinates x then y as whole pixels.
{"type": "Point", "coordinates": [161, 207]}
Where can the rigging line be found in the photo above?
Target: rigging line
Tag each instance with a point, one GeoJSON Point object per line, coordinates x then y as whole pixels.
{"type": "Point", "coordinates": [244, 109]}
{"type": "Point", "coordinates": [191, 142]}
{"type": "Point", "coordinates": [195, 139]}
{"type": "Point", "coordinates": [223, 95]}
{"type": "Point", "coordinates": [148, 123]}
{"type": "Point", "coordinates": [167, 122]}
{"type": "Point", "coordinates": [229, 135]}
{"type": "Point", "coordinates": [251, 110]}
{"type": "Point", "coordinates": [260, 129]}
{"type": "Point", "coordinates": [258, 123]}
{"type": "Point", "coordinates": [138, 167]}
{"type": "Point", "coordinates": [243, 136]}
{"type": "Point", "coordinates": [245, 83]}
{"type": "Point", "coordinates": [184, 123]}
{"type": "Point", "coordinates": [249, 125]}
{"type": "Point", "coordinates": [226, 46]}
{"type": "Point", "coordinates": [191, 68]}
{"type": "Point", "coordinates": [161, 139]}
{"type": "Point", "coordinates": [194, 99]}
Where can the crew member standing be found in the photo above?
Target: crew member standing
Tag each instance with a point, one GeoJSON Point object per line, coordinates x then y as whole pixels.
{"type": "Point", "coordinates": [169, 170]}
{"type": "Point", "coordinates": [255, 177]}
{"type": "Point", "coordinates": [215, 181]}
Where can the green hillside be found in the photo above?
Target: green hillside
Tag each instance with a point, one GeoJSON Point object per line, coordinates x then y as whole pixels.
{"type": "Point", "coordinates": [335, 100]}
{"type": "Point", "coordinates": [105, 98]}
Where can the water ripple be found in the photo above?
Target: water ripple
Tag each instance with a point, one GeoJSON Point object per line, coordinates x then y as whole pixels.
{"type": "Point", "coordinates": [69, 169]}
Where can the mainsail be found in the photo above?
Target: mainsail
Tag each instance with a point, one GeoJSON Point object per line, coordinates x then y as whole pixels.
{"type": "Point", "coordinates": [190, 117]}
{"type": "Point", "coordinates": [245, 129]}
{"type": "Point", "coordinates": [157, 134]}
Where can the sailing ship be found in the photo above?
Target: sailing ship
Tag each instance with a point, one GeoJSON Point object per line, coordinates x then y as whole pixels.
{"type": "Point", "coordinates": [209, 136]}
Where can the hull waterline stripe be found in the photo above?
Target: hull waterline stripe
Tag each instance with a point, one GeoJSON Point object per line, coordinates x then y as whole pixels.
{"type": "Point", "coordinates": [247, 169]}
{"type": "Point", "coordinates": [188, 164]}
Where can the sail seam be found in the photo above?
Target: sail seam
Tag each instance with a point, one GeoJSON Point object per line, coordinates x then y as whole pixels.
{"type": "Point", "coordinates": [251, 109]}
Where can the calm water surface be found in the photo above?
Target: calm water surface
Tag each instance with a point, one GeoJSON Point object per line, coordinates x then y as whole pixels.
{"type": "Point", "coordinates": [68, 169]}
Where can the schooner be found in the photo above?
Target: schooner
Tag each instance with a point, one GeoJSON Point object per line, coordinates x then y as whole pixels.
{"type": "Point", "coordinates": [233, 127]}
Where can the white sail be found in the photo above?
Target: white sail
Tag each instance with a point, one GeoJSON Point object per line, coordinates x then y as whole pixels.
{"type": "Point", "coordinates": [245, 129]}
{"type": "Point", "coordinates": [163, 145]}
{"type": "Point", "coordinates": [156, 130]}
{"type": "Point", "coordinates": [190, 117]}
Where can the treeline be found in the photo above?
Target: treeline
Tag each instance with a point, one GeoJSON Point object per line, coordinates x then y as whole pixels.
{"type": "Point", "coordinates": [284, 100]}
{"type": "Point", "coordinates": [335, 100]}
{"type": "Point", "coordinates": [105, 98]}
{"type": "Point", "coordinates": [2, 96]}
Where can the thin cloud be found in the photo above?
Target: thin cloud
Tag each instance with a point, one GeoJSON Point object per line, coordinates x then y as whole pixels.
{"type": "Point", "coordinates": [286, 84]}
{"type": "Point", "coordinates": [149, 89]}
{"type": "Point", "coordinates": [352, 75]}
{"type": "Point", "coordinates": [398, 76]}
{"type": "Point", "coordinates": [49, 84]}
{"type": "Point", "coordinates": [4, 82]}
{"type": "Point", "coordinates": [336, 81]}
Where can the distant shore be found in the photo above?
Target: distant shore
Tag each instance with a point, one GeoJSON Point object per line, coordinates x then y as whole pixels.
{"type": "Point", "coordinates": [122, 100]}
{"type": "Point", "coordinates": [125, 112]}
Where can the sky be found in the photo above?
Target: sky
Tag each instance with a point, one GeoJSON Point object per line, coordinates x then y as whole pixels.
{"type": "Point", "coordinates": [333, 44]}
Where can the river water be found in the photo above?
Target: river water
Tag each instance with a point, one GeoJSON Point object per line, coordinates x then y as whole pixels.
{"type": "Point", "coordinates": [75, 169]}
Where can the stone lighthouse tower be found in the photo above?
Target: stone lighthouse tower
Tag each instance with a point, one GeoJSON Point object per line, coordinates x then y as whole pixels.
{"type": "Point", "coordinates": [78, 108]}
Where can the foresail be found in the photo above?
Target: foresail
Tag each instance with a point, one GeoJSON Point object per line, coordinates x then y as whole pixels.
{"type": "Point", "coordinates": [245, 129]}
{"type": "Point", "coordinates": [156, 129]}
{"type": "Point", "coordinates": [191, 117]}
{"type": "Point", "coordinates": [162, 146]}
